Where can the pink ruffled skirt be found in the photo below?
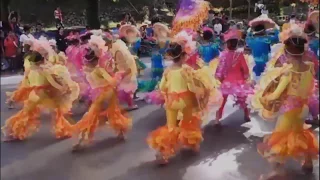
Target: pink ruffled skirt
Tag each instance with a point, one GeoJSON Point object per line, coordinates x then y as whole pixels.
{"type": "Point", "coordinates": [155, 97]}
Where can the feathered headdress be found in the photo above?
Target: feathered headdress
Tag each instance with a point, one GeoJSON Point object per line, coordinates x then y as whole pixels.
{"type": "Point", "coordinates": [160, 28]}
{"type": "Point", "coordinates": [42, 46]}
{"type": "Point", "coordinates": [294, 31]}
{"type": "Point", "coordinates": [185, 39]}
{"type": "Point", "coordinates": [232, 34]}
{"type": "Point", "coordinates": [97, 44]}
{"type": "Point", "coordinates": [314, 20]}
{"type": "Point", "coordinates": [191, 14]}
{"type": "Point", "coordinates": [52, 42]}
{"type": "Point", "coordinates": [123, 31]}
{"type": "Point", "coordinates": [263, 20]}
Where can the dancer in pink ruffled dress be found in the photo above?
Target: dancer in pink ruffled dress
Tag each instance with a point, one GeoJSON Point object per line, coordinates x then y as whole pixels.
{"type": "Point", "coordinates": [233, 73]}
{"type": "Point", "coordinates": [75, 53]}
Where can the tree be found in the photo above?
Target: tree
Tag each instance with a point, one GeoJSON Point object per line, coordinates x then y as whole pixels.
{"type": "Point", "coordinates": [249, 8]}
{"type": "Point", "coordinates": [230, 8]}
{"type": "Point", "coordinates": [4, 10]}
{"type": "Point", "coordinates": [92, 13]}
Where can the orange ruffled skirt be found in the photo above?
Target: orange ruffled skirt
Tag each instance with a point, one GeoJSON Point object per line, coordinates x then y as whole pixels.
{"type": "Point", "coordinates": [91, 120]}
{"type": "Point", "coordinates": [168, 140]}
{"type": "Point", "coordinates": [290, 140]}
{"type": "Point", "coordinates": [26, 122]}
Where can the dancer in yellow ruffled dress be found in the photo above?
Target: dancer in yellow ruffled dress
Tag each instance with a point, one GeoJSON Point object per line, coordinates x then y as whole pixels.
{"type": "Point", "coordinates": [285, 95]}
{"type": "Point", "coordinates": [186, 93]}
{"type": "Point", "coordinates": [44, 90]}
{"type": "Point", "coordinates": [104, 90]}
{"type": "Point", "coordinates": [18, 95]}
{"type": "Point", "coordinates": [125, 64]}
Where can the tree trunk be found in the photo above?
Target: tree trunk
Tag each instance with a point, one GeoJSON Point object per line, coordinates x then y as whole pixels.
{"type": "Point", "coordinates": [230, 10]}
{"type": "Point", "coordinates": [249, 9]}
{"type": "Point", "coordinates": [4, 10]}
{"type": "Point", "coordinates": [93, 14]}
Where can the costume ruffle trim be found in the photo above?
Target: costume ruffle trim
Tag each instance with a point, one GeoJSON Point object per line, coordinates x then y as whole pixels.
{"type": "Point", "coordinates": [62, 128]}
{"type": "Point", "coordinates": [155, 97]}
{"type": "Point", "coordinates": [117, 120]}
{"type": "Point", "coordinates": [168, 141]}
{"type": "Point", "coordinates": [280, 146]}
{"type": "Point", "coordinates": [190, 133]}
{"type": "Point", "coordinates": [164, 141]}
{"type": "Point", "coordinates": [22, 125]}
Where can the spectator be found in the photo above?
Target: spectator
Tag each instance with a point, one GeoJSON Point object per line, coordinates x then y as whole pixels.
{"type": "Point", "coordinates": [149, 31]}
{"type": "Point", "coordinates": [11, 50]}
{"type": "Point", "coordinates": [4, 63]}
{"type": "Point", "coordinates": [25, 35]}
{"type": "Point", "coordinates": [126, 19]}
{"type": "Point", "coordinates": [132, 21]}
{"type": "Point", "coordinates": [115, 32]}
{"type": "Point", "coordinates": [14, 25]}
{"type": "Point", "coordinates": [39, 31]}
{"type": "Point", "coordinates": [60, 39]}
{"type": "Point", "coordinates": [217, 27]}
{"type": "Point", "coordinates": [23, 38]}
{"type": "Point", "coordinates": [58, 17]}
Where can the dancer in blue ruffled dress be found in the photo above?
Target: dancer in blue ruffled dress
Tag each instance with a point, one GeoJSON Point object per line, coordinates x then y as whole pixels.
{"type": "Point", "coordinates": [208, 50]}
{"type": "Point", "coordinates": [262, 35]}
{"type": "Point", "coordinates": [161, 33]}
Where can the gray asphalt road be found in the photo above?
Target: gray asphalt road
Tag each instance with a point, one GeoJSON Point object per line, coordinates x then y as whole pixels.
{"type": "Point", "coordinates": [226, 154]}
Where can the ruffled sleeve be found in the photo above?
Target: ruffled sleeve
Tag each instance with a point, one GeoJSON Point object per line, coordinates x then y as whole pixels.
{"type": "Point", "coordinates": [220, 72]}
{"type": "Point", "coordinates": [284, 81]}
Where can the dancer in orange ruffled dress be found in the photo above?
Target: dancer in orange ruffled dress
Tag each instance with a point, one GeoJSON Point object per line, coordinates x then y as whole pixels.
{"type": "Point", "coordinates": [44, 90]}
{"type": "Point", "coordinates": [183, 103]}
{"type": "Point", "coordinates": [104, 90]}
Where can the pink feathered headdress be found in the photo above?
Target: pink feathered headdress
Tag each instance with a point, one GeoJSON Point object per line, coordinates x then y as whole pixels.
{"type": "Point", "coordinates": [42, 46]}
{"type": "Point", "coordinates": [232, 34]}
{"type": "Point", "coordinates": [185, 39]}
{"type": "Point", "coordinates": [264, 20]}
{"type": "Point", "coordinates": [295, 30]}
{"type": "Point", "coordinates": [97, 44]}
{"type": "Point", "coordinates": [207, 29]}
{"type": "Point", "coordinates": [123, 31]}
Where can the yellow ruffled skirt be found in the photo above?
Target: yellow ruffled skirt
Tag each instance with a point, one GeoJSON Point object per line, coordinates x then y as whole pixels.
{"type": "Point", "coordinates": [290, 140]}
{"type": "Point", "coordinates": [86, 127]}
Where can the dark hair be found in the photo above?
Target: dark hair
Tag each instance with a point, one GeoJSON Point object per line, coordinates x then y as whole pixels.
{"type": "Point", "coordinates": [85, 37]}
{"type": "Point", "coordinates": [207, 35]}
{"type": "Point", "coordinates": [211, 11]}
{"type": "Point", "coordinates": [232, 44]}
{"type": "Point", "coordinates": [39, 24]}
{"type": "Point", "coordinates": [155, 19]}
{"type": "Point", "coordinates": [296, 44]}
{"type": "Point", "coordinates": [118, 25]}
{"type": "Point", "coordinates": [36, 57]}
{"type": "Point", "coordinates": [309, 28]}
{"type": "Point", "coordinates": [26, 28]}
{"type": "Point", "coordinates": [124, 39]}
{"type": "Point", "coordinates": [259, 27]}
{"type": "Point", "coordinates": [90, 56]}
{"type": "Point", "coordinates": [175, 50]}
